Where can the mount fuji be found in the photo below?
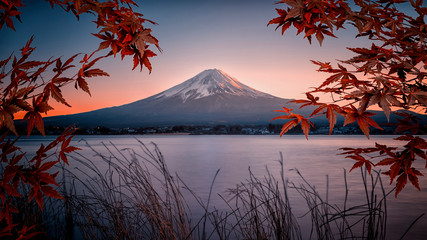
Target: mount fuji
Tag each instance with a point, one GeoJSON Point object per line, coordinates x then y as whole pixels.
{"type": "Point", "coordinates": [208, 83]}
{"type": "Point", "coordinates": [211, 97]}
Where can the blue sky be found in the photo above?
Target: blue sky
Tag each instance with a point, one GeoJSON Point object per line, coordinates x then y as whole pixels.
{"type": "Point", "coordinates": [194, 35]}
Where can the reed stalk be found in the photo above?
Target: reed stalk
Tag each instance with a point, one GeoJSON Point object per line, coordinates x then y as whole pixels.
{"type": "Point", "coordinates": [131, 194]}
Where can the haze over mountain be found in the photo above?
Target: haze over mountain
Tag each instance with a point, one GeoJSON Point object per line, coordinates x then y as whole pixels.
{"type": "Point", "coordinates": [211, 97]}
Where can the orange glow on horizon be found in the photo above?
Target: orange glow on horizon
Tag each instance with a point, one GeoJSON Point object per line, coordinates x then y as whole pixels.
{"type": "Point", "coordinates": [239, 44]}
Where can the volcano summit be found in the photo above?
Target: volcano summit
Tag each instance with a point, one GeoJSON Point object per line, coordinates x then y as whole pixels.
{"type": "Point", "coordinates": [210, 82]}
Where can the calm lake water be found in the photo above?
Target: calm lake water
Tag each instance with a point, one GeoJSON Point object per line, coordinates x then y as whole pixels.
{"type": "Point", "coordinates": [197, 158]}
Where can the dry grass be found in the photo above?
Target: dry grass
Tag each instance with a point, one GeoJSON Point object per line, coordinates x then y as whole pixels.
{"type": "Point", "coordinates": [131, 194]}
{"type": "Point", "coordinates": [136, 197]}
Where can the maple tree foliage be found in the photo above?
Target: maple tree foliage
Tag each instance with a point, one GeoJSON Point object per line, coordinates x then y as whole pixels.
{"type": "Point", "coordinates": [390, 73]}
{"type": "Point", "coordinates": [29, 86]}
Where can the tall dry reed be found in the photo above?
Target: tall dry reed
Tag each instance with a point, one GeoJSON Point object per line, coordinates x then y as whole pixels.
{"type": "Point", "coordinates": [128, 193]}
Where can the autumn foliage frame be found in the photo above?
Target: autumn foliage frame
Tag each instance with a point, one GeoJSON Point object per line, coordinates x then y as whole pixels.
{"type": "Point", "coordinates": [29, 86]}
{"type": "Point", "coordinates": [391, 73]}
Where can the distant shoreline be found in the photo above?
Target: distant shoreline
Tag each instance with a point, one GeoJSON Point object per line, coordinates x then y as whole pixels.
{"type": "Point", "coordinates": [236, 129]}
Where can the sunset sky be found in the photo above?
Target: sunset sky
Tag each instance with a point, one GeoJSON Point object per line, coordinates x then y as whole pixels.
{"type": "Point", "coordinates": [195, 35]}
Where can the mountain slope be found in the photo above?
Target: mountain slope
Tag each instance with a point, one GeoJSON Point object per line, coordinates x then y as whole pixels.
{"type": "Point", "coordinates": [211, 97]}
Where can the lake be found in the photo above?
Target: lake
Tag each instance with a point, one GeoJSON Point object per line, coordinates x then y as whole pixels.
{"type": "Point", "coordinates": [197, 158]}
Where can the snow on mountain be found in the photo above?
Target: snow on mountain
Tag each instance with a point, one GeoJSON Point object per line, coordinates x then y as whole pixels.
{"type": "Point", "coordinates": [209, 98]}
{"type": "Point", "coordinates": [212, 97]}
{"type": "Point", "coordinates": [207, 83]}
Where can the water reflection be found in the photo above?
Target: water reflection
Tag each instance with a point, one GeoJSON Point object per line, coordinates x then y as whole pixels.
{"type": "Point", "coordinates": [197, 158]}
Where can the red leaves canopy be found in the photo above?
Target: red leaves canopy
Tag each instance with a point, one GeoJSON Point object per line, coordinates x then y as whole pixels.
{"type": "Point", "coordinates": [37, 176]}
{"type": "Point", "coordinates": [296, 119]}
{"type": "Point", "coordinates": [391, 73]}
{"type": "Point", "coordinates": [28, 88]}
{"type": "Point", "coordinates": [121, 29]}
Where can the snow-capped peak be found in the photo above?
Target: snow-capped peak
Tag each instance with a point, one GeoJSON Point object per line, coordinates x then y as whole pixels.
{"type": "Point", "coordinates": [210, 82]}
